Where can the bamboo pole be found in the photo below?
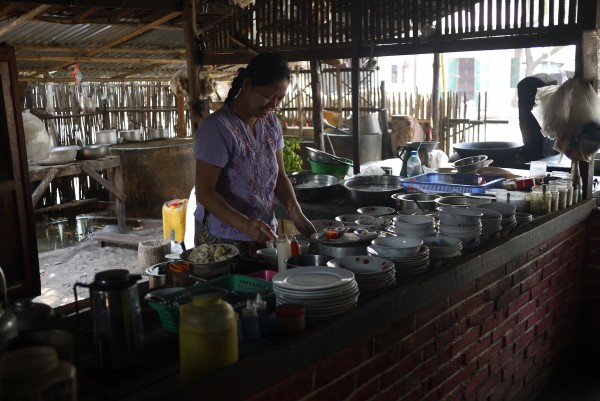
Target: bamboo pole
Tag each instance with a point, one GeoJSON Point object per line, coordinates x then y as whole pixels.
{"type": "Point", "coordinates": [192, 56]}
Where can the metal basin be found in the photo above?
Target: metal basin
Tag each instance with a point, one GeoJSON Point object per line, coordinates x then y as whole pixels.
{"type": "Point", "coordinates": [90, 152]}
{"type": "Point", "coordinates": [471, 163]}
{"type": "Point", "coordinates": [414, 200]}
{"type": "Point", "coordinates": [60, 155]}
{"type": "Point", "coordinates": [373, 189]}
{"type": "Point", "coordinates": [132, 135]}
{"type": "Point", "coordinates": [494, 150]}
{"type": "Point", "coordinates": [311, 187]}
{"type": "Point", "coordinates": [307, 260]}
{"type": "Point", "coordinates": [326, 158]}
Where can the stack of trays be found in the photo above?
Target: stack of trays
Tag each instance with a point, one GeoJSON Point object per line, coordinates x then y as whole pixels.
{"type": "Point", "coordinates": [372, 273]}
{"type": "Point", "coordinates": [325, 291]}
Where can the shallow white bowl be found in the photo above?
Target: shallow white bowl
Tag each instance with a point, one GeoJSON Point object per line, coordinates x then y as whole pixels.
{"type": "Point", "coordinates": [349, 219]}
{"type": "Point", "coordinates": [437, 243]}
{"type": "Point", "coordinates": [396, 246]}
{"type": "Point", "coordinates": [376, 210]}
{"type": "Point", "coordinates": [458, 216]}
{"type": "Point", "coordinates": [460, 230]}
{"type": "Point", "coordinates": [323, 224]}
{"type": "Point", "coordinates": [416, 220]}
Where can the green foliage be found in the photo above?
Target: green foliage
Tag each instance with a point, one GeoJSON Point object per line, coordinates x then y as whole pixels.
{"type": "Point", "coordinates": [291, 160]}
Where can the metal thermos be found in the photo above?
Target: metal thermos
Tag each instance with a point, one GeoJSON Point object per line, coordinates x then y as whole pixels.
{"type": "Point", "coordinates": [116, 317]}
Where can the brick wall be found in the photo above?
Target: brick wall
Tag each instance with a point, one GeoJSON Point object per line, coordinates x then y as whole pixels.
{"type": "Point", "coordinates": [591, 305]}
{"type": "Point", "coordinates": [497, 338]}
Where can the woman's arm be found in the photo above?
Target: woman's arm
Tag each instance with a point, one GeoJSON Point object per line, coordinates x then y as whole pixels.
{"type": "Point", "coordinates": [207, 177]}
{"type": "Point", "coordinates": [284, 191]}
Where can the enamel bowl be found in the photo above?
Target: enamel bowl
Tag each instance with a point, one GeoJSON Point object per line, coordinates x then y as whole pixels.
{"type": "Point", "coordinates": [394, 247]}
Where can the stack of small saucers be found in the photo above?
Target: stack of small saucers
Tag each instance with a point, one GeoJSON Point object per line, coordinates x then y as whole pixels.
{"type": "Point", "coordinates": [508, 210]}
{"type": "Point", "coordinates": [325, 291]}
{"type": "Point", "coordinates": [372, 273]}
{"type": "Point", "coordinates": [491, 223]}
{"type": "Point", "coordinates": [413, 225]}
{"type": "Point", "coordinates": [409, 255]}
{"type": "Point", "coordinates": [442, 248]}
{"type": "Point", "coordinates": [461, 222]}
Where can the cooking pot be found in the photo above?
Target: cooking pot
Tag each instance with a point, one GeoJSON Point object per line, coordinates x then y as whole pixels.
{"type": "Point", "coordinates": [494, 150]}
{"type": "Point", "coordinates": [373, 189]}
{"type": "Point", "coordinates": [132, 135]}
{"type": "Point", "coordinates": [108, 137]}
{"type": "Point", "coordinates": [31, 314]}
{"type": "Point", "coordinates": [158, 133]}
{"type": "Point", "coordinates": [341, 250]}
{"type": "Point", "coordinates": [90, 152]}
{"type": "Point", "coordinates": [414, 200]}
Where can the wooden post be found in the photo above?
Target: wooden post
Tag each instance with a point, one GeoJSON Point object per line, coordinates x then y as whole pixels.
{"type": "Point", "coordinates": [181, 117]}
{"type": "Point", "coordinates": [192, 54]}
{"type": "Point", "coordinates": [315, 84]}
{"type": "Point", "coordinates": [435, 98]}
{"type": "Point", "coordinates": [355, 84]}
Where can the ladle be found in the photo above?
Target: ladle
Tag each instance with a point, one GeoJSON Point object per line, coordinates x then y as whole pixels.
{"type": "Point", "coordinates": [419, 206]}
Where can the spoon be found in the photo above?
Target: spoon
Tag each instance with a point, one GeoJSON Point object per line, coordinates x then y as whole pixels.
{"type": "Point", "coordinates": [419, 206]}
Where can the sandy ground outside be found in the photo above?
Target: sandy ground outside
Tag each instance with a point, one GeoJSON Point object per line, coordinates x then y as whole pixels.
{"type": "Point", "coordinates": [61, 269]}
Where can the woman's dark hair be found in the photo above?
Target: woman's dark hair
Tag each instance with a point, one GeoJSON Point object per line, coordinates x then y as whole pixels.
{"type": "Point", "coordinates": [262, 70]}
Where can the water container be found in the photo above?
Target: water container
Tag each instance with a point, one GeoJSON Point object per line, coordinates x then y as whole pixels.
{"type": "Point", "coordinates": [413, 164]}
{"type": "Point", "coordinates": [207, 335]}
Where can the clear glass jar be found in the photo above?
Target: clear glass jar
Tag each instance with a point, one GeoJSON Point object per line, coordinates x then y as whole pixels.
{"type": "Point", "coordinates": [554, 198]}
{"type": "Point", "coordinates": [541, 200]}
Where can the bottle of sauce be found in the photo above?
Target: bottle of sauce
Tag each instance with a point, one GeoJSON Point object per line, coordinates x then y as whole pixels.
{"type": "Point", "coordinates": [294, 247]}
{"type": "Point", "coordinates": [207, 335]}
{"type": "Point", "coordinates": [284, 251]}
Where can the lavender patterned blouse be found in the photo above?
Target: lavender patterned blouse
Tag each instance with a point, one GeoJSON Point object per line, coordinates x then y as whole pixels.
{"type": "Point", "coordinates": [249, 167]}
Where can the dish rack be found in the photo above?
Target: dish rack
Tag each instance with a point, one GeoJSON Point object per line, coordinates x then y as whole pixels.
{"type": "Point", "coordinates": [447, 182]}
{"type": "Point", "coordinates": [168, 307]}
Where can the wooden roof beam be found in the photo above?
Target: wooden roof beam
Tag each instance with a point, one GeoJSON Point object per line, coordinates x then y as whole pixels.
{"type": "Point", "coordinates": [151, 5]}
{"type": "Point", "coordinates": [86, 13]}
{"type": "Point", "coordinates": [7, 9]}
{"type": "Point", "coordinates": [116, 50]}
{"type": "Point", "coordinates": [135, 71]}
{"type": "Point", "coordinates": [24, 18]}
{"type": "Point", "coordinates": [70, 60]}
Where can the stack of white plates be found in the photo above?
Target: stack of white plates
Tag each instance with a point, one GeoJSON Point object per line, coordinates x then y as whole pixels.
{"type": "Point", "coordinates": [491, 223]}
{"type": "Point", "coordinates": [408, 265]}
{"type": "Point", "coordinates": [413, 225]}
{"type": "Point", "coordinates": [442, 248]}
{"type": "Point", "coordinates": [372, 273]}
{"type": "Point", "coordinates": [508, 210]}
{"type": "Point", "coordinates": [324, 291]}
{"type": "Point", "coordinates": [463, 223]}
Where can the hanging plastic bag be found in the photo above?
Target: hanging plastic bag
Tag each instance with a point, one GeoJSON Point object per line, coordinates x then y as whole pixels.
{"type": "Point", "coordinates": [571, 115]}
{"type": "Point", "coordinates": [542, 104]}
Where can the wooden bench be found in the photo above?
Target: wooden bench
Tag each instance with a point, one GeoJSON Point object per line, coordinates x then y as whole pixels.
{"type": "Point", "coordinates": [120, 239]}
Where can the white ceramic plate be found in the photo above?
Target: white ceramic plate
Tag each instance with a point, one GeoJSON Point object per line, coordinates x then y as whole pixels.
{"type": "Point", "coordinates": [362, 264]}
{"type": "Point", "coordinates": [309, 278]}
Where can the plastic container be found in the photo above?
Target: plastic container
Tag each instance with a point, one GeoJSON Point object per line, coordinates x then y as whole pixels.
{"type": "Point", "coordinates": [264, 274]}
{"type": "Point", "coordinates": [333, 169]}
{"type": "Point", "coordinates": [250, 322]}
{"type": "Point", "coordinates": [554, 196]}
{"type": "Point", "coordinates": [284, 251]}
{"type": "Point", "coordinates": [36, 373]}
{"type": "Point", "coordinates": [291, 319]}
{"type": "Point", "coordinates": [263, 317]}
{"type": "Point", "coordinates": [207, 335]}
{"type": "Point", "coordinates": [446, 182]}
{"type": "Point", "coordinates": [413, 164]}
{"type": "Point", "coordinates": [173, 216]}
{"type": "Point", "coordinates": [169, 314]}
{"type": "Point", "coordinates": [541, 200]}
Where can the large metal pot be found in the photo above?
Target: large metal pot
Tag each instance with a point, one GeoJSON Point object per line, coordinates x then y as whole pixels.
{"type": "Point", "coordinates": [376, 190]}
{"type": "Point", "coordinates": [312, 187]}
{"type": "Point", "coordinates": [493, 150]}
{"type": "Point", "coordinates": [158, 133]}
{"type": "Point", "coordinates": [108, 137]}
{"type": "Point", "coordinates": [415, 201]}
{"type": "Point", "coordinates": [132, 135]}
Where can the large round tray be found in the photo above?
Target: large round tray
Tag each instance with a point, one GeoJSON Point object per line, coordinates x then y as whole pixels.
{"type": "Point", "coordinates": [373, 189]}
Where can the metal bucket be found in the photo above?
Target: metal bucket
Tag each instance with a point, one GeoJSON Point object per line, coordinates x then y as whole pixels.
{"type": "Point", "coordinates": [370, 146]}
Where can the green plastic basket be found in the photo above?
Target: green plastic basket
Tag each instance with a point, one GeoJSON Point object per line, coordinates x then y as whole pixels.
{"type": "Point", "coordinates": [168, 308]}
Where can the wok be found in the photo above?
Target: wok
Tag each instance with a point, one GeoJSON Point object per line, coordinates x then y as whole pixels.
{"type": "Point", "coordinates": [373, 189]}
{"type": "Point", "coordinates": [311, 187]}
{"type": "Point", "coordinates": [493, 150]}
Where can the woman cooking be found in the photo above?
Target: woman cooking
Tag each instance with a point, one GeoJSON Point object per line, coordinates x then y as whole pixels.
{"type": "Point", "coordinates": [239, 162]}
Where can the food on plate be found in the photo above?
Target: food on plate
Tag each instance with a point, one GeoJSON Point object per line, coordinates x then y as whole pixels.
{"type": "Point", "coordinates": [207, 253]}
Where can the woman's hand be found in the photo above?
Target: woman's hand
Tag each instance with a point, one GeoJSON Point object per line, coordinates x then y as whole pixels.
{"type": "Point", "coordinates": [301, 223]}
{"type": "Point", "coordinates": [258, 231]}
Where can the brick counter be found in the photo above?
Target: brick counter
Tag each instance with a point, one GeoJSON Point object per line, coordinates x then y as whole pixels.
{"type": "Point", "coordinates": [492, 325]}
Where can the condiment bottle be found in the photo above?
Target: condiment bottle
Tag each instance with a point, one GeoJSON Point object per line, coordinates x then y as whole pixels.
{"type": "Point", "coordinates": [207, 335]}
{"type": "Point", "coordinates": [577, 182]}
{"type": "Point", "coordinates": [294, 247]}
{"type": "Point", "coordinates": [554, 198]}
{"type": "Point", "coordinates": [250, 322]}
{"type": "Point", "coordinates": [284, 251]}
{"type": "Point", "coordinates": [263, 316]}
{"type": "Point", "coordinates": [291, 319]}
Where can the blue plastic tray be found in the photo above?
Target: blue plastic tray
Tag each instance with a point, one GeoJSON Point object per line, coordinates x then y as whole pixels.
{"type": "Point", "coordinates": [447, 182]}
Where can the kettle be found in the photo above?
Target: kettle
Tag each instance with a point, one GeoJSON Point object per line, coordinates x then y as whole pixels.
{"type": "Point", "coordinates": [116, 318]}
{"type": "Point", "coordinates": [8, 321]}
{"type": "Point", "coordinates": [31, 314]}
{"type": "Point", "coordinates": [425, 149]}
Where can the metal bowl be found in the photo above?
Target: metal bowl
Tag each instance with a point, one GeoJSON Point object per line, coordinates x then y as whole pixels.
{"type": "Point", "coordinates": [373, 189]}
{"type": "Point", "coordinates": [132, 135]}
{"type": "Point", "coordinates": [311, 187]}
{"type": "Point", "coordinates": [471, 163]}
{"type": "Point", "coordinates": [158, 133]}
{"type": "Point", "coordinates": [326, 158]}
{"type": "Point", "coordinates": [60, 155]}
{"type": "Point", "coordinates": [458, 201]}
{"type": "Point", "coordinates": [414, 200]}
{"type": "Point", "coordinates": [90, 152]}
{"type": "Point", "coordinates": [307, 260]}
